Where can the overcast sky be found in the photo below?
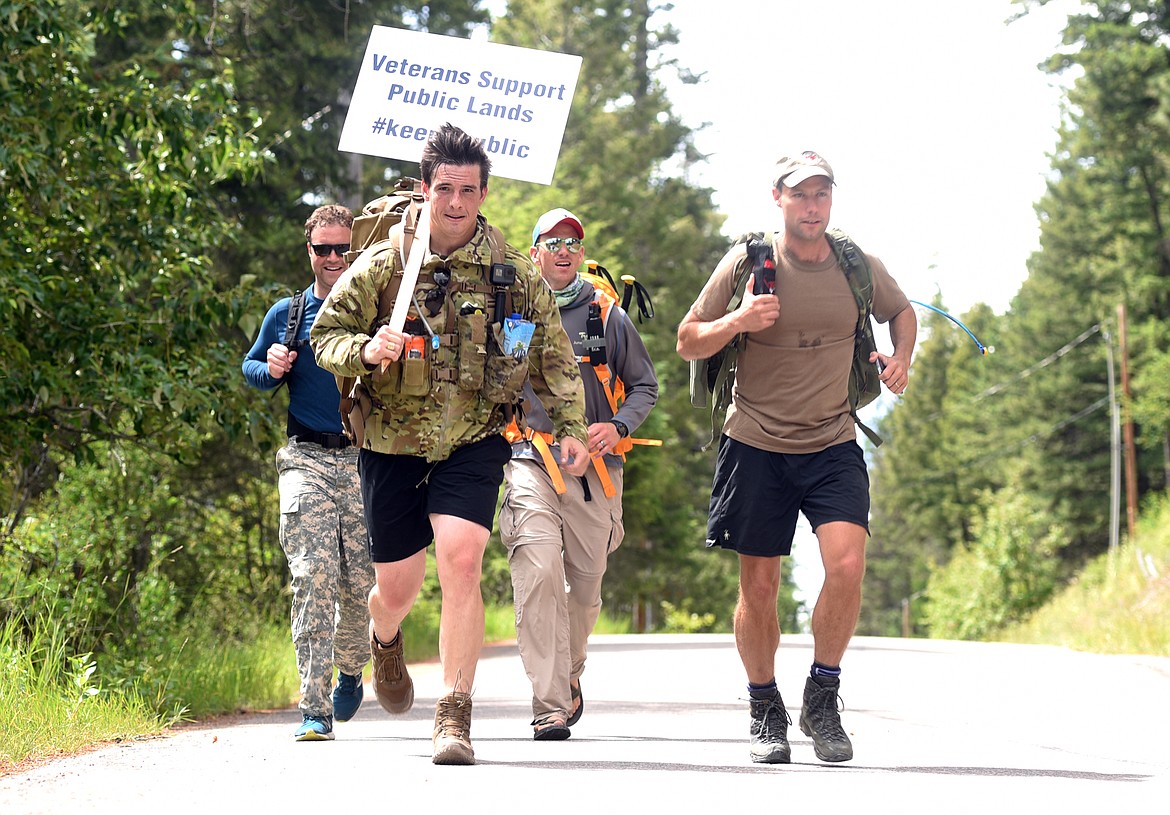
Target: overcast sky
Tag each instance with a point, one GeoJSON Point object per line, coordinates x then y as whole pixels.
{"type": "Point", "coordinates": [933, 113]}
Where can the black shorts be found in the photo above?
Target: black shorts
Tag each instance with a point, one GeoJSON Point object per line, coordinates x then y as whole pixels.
{"type": "Point", "coordinates": [757, 495]}
{"type": "Point", "coordinates": [400, 493]}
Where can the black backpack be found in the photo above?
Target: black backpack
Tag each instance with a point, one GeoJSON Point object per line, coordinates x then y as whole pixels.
{"type": "Point", "coordinates": [712, 378]}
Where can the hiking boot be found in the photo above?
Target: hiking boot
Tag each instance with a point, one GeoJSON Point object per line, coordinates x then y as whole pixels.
{"type": "Point", "coordinates": [453, 730]}
{"type": "Point", "coordinates": [315, 728]}
{"type": "Point", "coordinates": [820, 719]}
{"type": "Point", "coordinates": [769, 730]}
{"type": "Point", "coordinates": [392, 685]}
{"type": "Point", "coordinates": [347, 696]}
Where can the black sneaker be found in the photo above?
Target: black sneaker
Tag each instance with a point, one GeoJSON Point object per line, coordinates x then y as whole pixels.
{"type": "Point", "coordinates": [821, 721]}
{"type": "Point", "coordinates": [769, 730]}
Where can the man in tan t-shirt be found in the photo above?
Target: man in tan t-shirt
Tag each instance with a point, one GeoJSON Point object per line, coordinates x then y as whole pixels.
{"type": "Point", "coordinates": [789, 446]}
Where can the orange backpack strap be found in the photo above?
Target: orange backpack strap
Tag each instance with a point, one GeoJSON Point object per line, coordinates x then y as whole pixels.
{"type": "Point", "coordinates": [603, 476]}
{"type": "Point", "coordinates": [605, 301]}
{"type": "Point", "coordinates": [606, 380]}
{"type": "Point", "coordinates": [615, 391]}
{"type": "Point", "coordinates": [541, 442]}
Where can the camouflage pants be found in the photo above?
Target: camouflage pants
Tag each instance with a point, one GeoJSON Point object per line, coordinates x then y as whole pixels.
{"type": "Point", "coordinates": [323, 534]}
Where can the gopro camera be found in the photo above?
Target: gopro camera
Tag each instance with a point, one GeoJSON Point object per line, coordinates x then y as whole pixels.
{"type": "Point", "coordinates": [503, 274]}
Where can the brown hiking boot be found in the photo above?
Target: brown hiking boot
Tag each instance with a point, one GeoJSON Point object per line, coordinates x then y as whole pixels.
{"type": "Point", "coordinates": [453, 730]}
{"type": "Point", "coordinates": [392, 684]}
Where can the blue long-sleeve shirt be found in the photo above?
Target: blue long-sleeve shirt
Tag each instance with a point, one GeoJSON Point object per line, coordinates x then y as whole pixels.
{"type": "Point", "coordinates": [312, 391]}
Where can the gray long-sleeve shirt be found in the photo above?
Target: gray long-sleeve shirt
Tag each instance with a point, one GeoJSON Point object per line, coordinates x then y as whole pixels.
{"type": "Point", "coordinates": [627, 358]}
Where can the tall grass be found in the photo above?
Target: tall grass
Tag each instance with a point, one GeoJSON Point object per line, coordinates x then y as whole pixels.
{"type": "Point", "coordinates": [1119, 604]}
{"type": "Point", "coordinates": [55, 701]}
{"type": "Point", "coordinates": [212, 677]}
{"type": "Point", "coordinates": [50, 703]}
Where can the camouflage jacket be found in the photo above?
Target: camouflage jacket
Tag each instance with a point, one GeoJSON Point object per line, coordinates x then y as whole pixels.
{"type": "Point", "coordinates": [457, 393]}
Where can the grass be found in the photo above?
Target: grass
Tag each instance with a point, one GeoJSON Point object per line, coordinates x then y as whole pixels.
{"type": "Point", "coordinates": [53, 703]}
{"type": "Point", "coordinates": [1119, 604]}
{"type": "Point", "coordinates": [258, 674]}
{"type": "Point", "coordinates": [49, 704]}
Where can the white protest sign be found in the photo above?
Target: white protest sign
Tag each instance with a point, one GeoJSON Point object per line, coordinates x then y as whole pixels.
{"type": "Point", "coordinates": [515, 100]}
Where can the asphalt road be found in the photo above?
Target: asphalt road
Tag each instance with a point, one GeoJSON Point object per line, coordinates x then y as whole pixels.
{"type": "Point", "coordinates": [937, 727]}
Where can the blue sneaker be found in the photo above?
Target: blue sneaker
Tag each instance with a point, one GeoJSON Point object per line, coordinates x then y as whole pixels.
{"type": "Point", "coordinates": [347, 696]}
{"type": "Point", "coordinates": [315, 728]}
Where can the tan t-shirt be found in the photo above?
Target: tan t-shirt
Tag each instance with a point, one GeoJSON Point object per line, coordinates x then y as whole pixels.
{"type": "Point", "coordinates": [791, 391]}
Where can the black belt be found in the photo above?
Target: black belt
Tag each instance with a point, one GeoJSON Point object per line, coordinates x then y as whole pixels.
{"type": "Point", "coordinates": [331, 441]}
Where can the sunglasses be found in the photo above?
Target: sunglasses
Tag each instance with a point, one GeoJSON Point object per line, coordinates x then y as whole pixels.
{"type": "Point", "coordinates": [322, 250]}
{"type": "Point", "coordinates": [574, 245]}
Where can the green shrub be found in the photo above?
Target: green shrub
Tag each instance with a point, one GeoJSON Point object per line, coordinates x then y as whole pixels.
{"type": "Point", "coordinates": [1119, 603]}
{"type": "Point", "coordinates": [1009, 571]}
{"type": "Point", "coordinates": [684, 621]}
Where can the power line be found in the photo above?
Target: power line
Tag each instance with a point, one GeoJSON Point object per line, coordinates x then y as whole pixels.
{"type": "Point", "coordinates": [1000, 452]}
{"type": "Point", "coordinates": [1026, 372]}
{"type": "Point", "coordinates": [1007, 383]}
{"type": "Point", "coordinates": [1044, 363]}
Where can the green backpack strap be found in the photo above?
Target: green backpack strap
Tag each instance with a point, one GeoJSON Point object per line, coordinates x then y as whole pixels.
{"type": "Point", "coordinates": [864, 382]}
{"type": "Point", "coordinates": [720, 369]}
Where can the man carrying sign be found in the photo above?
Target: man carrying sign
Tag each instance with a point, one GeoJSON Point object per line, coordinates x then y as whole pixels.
{"type": "Point", "coordinates": [442, 386]}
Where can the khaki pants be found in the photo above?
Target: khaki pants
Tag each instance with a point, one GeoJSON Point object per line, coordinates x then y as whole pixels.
{"type": "Point", "coordinates": [557, 550]}
{"type": "Point", "coordinates": [323, 534]}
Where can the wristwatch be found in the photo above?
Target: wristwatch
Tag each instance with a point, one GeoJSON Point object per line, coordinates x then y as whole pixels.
{"type": "Point", "coordinates": [622, 430]}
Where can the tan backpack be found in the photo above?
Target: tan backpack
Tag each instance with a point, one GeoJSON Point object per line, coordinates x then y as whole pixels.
{"type": "Point", "coordinates": [371, 234]}
{"type": "Point", "coordinates": [373, 225]}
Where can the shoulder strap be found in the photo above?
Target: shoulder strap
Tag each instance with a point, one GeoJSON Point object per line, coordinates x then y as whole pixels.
{"type": "Point", "coordinates": [410, 220]}
{"type": "Point", "coordinates": [756, 244]}
{"type": "Point", "coordinates": [296, 312]}
{"type": "Point", "coordinates": [860, 277]}
{"type": "Point", "coordinates": [759, 248]}
{"type": "Point", "coordinates": [598, 352]}
{"type": "Point", "coordinates": [292, 327]}
{"type": "Point", "coordinates": [857, 272]}
{"type": "Point", "coordinates": [720, 369]}
{"type": "Point", "coordinates": [386, 300]}
{"type": "Point", "coordinates": [495, 240]}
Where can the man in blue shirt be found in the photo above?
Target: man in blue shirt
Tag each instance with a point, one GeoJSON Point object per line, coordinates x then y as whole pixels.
{"type": "Point", "coordinates": [322, 526]}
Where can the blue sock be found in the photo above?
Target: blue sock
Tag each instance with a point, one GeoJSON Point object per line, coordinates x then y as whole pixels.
{"type": "Point", "coordinates": [819, 670]}
{"type": "Point", "coordinates": [766, 691]}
